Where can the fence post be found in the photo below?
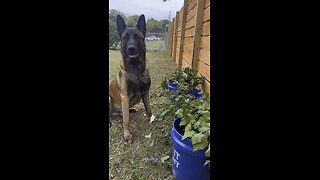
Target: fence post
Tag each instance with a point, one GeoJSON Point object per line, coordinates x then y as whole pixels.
{"type": "Point", "coordinates": [171, 38]}
{"type": "Point", "coordinates": [169, 41]}
{"type": "Point", "coordinates": [175, 36]}
{"type": "Point", "coordinates": [183, 29]}
{"type": "Point", "coordinates": [197, 34]}
{"type": "Point", "coordinates": [172, 28]}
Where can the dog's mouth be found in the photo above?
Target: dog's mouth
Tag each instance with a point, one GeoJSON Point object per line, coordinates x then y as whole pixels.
{"type": "Point", "coordinates": [133, 56]}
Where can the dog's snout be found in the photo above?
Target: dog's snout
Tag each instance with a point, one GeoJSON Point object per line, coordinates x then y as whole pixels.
{"type": "Point", "coordinates": [131, 48]}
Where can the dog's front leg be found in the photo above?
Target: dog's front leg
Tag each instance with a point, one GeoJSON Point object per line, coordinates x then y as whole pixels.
{"type": "Point", "coordinates": [125, 117]}
{"type": "Point", "coordinates": [146, 102]}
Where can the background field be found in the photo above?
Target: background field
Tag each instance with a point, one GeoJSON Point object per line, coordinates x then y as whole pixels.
{"type": "Point", "coordinates": [141, 160]}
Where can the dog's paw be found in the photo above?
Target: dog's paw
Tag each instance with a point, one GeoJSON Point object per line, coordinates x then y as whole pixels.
{"type": "Point", "coordinates": [133, 110]}
{"type": "Point", "coordinates": [128, 138]}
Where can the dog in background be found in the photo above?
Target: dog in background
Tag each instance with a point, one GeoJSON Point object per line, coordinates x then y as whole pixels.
{"type": "Point", "coordinates": [133, 80]}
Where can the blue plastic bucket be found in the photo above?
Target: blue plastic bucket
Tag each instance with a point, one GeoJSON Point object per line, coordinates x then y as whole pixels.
{"type": "Point", "coordinates": [196, 93]}
{"type": "Point", "coordinates": [186, 164]}
{"type": "Point", "coordinates": [173, 87]}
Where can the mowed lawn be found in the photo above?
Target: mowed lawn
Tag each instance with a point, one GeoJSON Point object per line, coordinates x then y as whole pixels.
{"type": "Point", "coordinates": [142, 158]}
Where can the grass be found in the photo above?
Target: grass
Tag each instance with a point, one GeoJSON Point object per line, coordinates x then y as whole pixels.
{"type": "Point", "coordinates": [114, 63]}
{"type": "Point", "coordinates": [151, 45]}
{"type": "Point", "coordinates": [141, 159]}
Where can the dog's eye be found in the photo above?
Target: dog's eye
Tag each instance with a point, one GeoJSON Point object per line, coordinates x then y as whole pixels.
{"type": "Point", "coordinates": [126, 37]}
{"type": "Point", "coordinates": [135, 36]}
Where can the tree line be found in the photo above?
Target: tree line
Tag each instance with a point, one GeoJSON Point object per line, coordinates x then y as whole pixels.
{"type": "Point", "coordinates": [153, 25]}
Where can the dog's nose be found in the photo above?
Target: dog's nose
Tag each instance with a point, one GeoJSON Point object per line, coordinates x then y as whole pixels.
{"type": "Point", "coordinates": [131, 48]}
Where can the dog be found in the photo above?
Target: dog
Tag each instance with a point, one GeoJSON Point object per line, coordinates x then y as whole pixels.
{"type": "Point", "coordinates": [133, 80]}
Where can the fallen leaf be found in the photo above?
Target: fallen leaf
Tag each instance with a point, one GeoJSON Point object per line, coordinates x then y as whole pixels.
{"type": "Point", "coordinates": [152, 143]}
{"type": "Point", "coordinates": [164, 158]}
{"type": "Point", "coordinates": [148, 136]}
{"type": "Point", "coordinates": [152, 118]}
{"type": "Point", "coordinates": [153, 160]}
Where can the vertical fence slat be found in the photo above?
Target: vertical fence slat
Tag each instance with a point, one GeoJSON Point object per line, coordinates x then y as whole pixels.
{"type": "Point", "coordinates": [175, 35]}
{"type": "Point", "coordinates": [169, 44]}
{"type": "Point", "coordinates": [197, 34]}
{"type": "Point", "coordinates": [169, 39]}
{"type": "Point", "coordinates": [183, 28]}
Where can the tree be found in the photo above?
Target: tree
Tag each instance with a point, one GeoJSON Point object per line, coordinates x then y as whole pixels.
{"type": "Point", "coordinates": [114, 38]}
{"type": "Point", "coordinates": [154, 26]}
{"type": "Point", "coordinates": [164, 23]}
{"type": "Point", "coordinates": [132, 21]}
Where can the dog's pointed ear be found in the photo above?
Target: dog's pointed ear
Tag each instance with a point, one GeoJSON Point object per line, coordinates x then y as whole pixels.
{"type": "Point", "coordinates": [121, 25]}
{"type": "Point", "coordinates": [141, 25]}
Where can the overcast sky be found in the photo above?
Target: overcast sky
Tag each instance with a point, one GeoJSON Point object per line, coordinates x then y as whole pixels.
{"type": "Point", "coordinates": [156, 9]}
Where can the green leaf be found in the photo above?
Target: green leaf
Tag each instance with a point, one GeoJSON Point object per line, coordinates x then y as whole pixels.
{"type": "Point", "coordinates": [164, 84]}
{"type": "Point", "coordinates": [187, 134]}
{"type": "Point", "coordinates": [202, 119]}
{"type": "Point", "coordinates": [164, 113]}
{"type": "Point", "coordinates": [164, 158]}
{"type": "Point", "coordinates": [184, 121]}
{"type": "Point", "coordinates": [192, 120]}
{"type": "Point", "coordinates": [198, 138]}
{"type": "Point", "coordinates": [203, 129]}
{"type": "Point", "coordinates": [179, 113]}
{"type": "Point", "coordinates": [200, 146]}
{"type": "Point", "coordinates": [187, 128]}
{"type": "Point", "coordinates": [197, 125]}
{"type": "Point", "coordinates": [152, 118]}
{"type": "Point", "coordinates": [148, 136]}
{"type": "Point", "coordinates": [186, 101]}
{"type": "Point", "coordinates": [165, 105]}
{"type": "Point", "coordinates": [204, 124]}
{"type": "Point", "coordinates": [206, 105]}
{"type": "Point", "coordinates": [206, 114]}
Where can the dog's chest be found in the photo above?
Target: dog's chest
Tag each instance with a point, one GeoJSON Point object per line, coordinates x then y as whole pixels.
{"type": "Point", "coordinates": [138, 84]}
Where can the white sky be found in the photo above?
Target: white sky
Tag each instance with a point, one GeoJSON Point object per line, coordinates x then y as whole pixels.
{"type": "Point", "coordinates": [156, 9]}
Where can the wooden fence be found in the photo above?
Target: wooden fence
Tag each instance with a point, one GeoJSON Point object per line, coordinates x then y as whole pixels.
{"type": "Point", "coordinates": [189, 38]}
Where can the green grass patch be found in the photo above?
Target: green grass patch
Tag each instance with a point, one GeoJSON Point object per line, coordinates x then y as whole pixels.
{"type": "Point", "coordinates": [114, 63]}
{"type": "Point", "coordinates": [155, 45]}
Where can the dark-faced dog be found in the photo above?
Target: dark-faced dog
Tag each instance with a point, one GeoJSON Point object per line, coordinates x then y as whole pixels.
{"type": "Point", "coordinates": [133, 81]}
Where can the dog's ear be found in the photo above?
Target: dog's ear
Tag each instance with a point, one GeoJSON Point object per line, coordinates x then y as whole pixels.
{"type": "Point", "coordinates": [142, 24]}
{"type": "Point", "coordinates": [121, 25]}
